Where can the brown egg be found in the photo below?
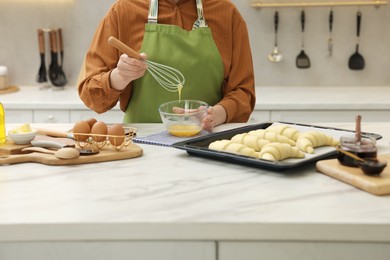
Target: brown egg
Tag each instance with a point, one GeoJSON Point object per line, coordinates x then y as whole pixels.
{"type": "Point", "coordinates": [91, 122]}
{"type": "Point", "coordinates": [99, 129]}
{"type": "Point", "coordinates": [116, 130]}
{"type": "Point", "coordinates": [81, 127]}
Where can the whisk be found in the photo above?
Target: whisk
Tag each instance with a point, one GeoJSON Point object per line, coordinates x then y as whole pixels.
{"type": "Point", "coordinates": [169, 78]}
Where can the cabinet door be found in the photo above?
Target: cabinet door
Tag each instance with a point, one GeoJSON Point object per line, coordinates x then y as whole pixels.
{"type": "Point", "coordinates": [18, 116]}
{"type": "Point", "coordinates": [302, 250]}
{"type": "Point", "coordinates": [106, 250]}
{"type": "Point", "coordinates": [51, 116]}
{"type": "Point", "coordinates": [109, 117]}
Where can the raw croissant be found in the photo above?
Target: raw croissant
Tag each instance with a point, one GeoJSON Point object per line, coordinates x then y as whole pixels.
{"type": "Point", "coordinates": [310, 140]}
{"type": "Point", "coordinates": [252, 141]}
{"type": "Point", "coordinates": [271, 136]}
{"type": "Point", "coordinates": [280, 151]}
{"type": "Point", "coordinates": [233, 147]}
{"type": "Point", "coordinates": [285, 130]}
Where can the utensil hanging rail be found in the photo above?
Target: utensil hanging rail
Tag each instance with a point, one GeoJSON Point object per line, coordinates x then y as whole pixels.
{"type": "Point", "coordinates": [259, 3]}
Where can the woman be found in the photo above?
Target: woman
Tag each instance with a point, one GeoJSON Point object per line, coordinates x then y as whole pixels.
{"type": "Point", "coordinates": [212, 51]}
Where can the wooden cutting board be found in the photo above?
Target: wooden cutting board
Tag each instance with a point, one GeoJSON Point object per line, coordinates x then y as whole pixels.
{"type": "Point", "coordinates": [11, 154]}
{"type": "Point", "coordinates": [354, 176]}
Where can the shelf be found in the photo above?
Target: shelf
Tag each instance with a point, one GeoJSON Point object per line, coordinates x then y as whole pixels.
{"type": "Point", "coordinates": [313, 3]}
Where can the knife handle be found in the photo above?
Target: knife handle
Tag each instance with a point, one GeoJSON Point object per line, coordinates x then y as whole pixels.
{"type": "Point", "coordinates": [54, 133]}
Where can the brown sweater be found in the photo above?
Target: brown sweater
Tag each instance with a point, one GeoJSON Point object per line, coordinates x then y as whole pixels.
{"type": "Point", "coordinates": [126, 20]}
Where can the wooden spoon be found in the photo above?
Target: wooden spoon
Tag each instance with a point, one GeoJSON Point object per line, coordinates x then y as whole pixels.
{"type": "Point", "coordinates": [63, 153]}
{"type": "Point", "coordinates": [370, 167]}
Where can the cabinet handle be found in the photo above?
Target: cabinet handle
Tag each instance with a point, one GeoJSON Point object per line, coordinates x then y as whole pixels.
{"type": "Point", "coordinates": [50, 117]}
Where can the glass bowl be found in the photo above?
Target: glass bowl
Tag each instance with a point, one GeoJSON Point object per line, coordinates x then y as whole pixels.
{"type": "Point", "coordinates": [183, 118]}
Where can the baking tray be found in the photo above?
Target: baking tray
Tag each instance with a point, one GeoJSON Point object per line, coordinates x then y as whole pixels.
{"type": "Point", "coordinates": [199, 146]}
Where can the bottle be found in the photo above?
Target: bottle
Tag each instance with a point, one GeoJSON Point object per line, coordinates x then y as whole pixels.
{"type": "Point", "coordinates": [3, 77]}
{"type": "Point", "coordinates": [2, 125]}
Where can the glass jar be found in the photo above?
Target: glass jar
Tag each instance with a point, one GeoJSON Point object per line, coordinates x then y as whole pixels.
{"type": "Point", "coordinates": [365, 149]}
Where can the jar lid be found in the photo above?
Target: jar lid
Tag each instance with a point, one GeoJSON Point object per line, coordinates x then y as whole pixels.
{"type": "Point", "coordinates": [3, 70]}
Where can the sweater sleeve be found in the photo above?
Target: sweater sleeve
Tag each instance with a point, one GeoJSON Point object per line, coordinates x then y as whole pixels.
{"type": "Point", "coordinates": [95, 89]}
{"type": "Point", "coordinates": [239, 87]}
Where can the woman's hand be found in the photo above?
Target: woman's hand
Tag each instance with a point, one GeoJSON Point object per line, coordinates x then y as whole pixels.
{"type": "Point", "coordinates": [216, 115]}
{"type": "Point", "coordinates": [127, 70]}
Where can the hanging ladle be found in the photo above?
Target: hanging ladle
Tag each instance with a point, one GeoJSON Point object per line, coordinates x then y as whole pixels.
{"type": "Point", "coordinates": [371, 167]}
{"type": "Point", "coordinates": [275, 55]}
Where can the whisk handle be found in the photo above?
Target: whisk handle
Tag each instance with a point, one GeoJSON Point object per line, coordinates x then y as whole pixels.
{"type": "Point", "coordinates": [123, 48]}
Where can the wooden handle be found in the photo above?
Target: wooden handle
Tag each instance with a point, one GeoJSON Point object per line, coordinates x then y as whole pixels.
{"type": "Point", "coordinates": [123, 48]}
{"type": "Point", "coordinates": [61, 44]}
{"type": "Point", "coordinates": [358, 129]}
{"type": "Point", "coordinates": [54, 133]}
{"type": "Point", "coordinates": [41, 41]}
{"type": "Point", "coordinates": [53, 40]}
{"type": "Point", "coordinates": [353, 156]}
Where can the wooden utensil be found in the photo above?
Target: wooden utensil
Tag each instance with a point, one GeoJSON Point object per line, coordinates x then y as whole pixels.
{"type": "Point", "coordinates": [302, 60]}
{"type": "Point", "coordinates": [371, 167]}
{"type": "Point", "coordinates": [56, 74]}
{"type": "Point", "coordinates": [63, 153]}
{"type": "Point", "coordinates": [356, 61]}
{"type": "Point", "coordinates": [105, 154]}
{"type": "Point", "coordinates": [41, 77]}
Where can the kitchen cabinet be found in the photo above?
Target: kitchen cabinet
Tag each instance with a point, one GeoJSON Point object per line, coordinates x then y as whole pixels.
{"type": "Point", "coordinates": [18, 115]}
{"type": "Point", "coordinates": [110, 117]}
{"type": "Point", "coordinates": [140, 250]}
{"type": "Point", "coordinates": [291, 104]}
{"type": "Point", "coordinates": [51, 116]}
{"type": "Point", "coordinates": [306, 250]}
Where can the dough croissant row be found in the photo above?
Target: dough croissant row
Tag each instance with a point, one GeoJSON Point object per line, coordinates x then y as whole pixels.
{"type": "Point", "coordinates": [272, 151]}
{"type": "Point", "coordinates": [274, 143]}
{"type": "Point", "coordinates": [306, 141]}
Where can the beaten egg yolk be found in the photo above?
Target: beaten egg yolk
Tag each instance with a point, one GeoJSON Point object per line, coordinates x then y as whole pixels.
{"type": "Point", "coordinates": [184, 130]}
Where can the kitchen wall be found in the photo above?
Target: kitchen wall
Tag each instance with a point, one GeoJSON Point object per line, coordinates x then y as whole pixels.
{"type": "Point", "coordinates": [20, 19]}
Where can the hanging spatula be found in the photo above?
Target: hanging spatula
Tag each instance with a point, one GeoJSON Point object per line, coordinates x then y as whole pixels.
{"type": "Point", "coordinates": [356, 61]}
{"type": "Point", "coordinates": [302, 60]}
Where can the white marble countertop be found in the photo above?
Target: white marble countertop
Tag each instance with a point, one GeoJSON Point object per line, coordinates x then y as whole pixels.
{"type": "Point", "coordinates": [268, 98]}
{"type": "Point", "coordinates": [169, 195]}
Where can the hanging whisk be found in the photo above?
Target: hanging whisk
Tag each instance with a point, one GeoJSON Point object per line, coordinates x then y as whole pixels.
{"type": "Point", "coordinates": [169, 78]}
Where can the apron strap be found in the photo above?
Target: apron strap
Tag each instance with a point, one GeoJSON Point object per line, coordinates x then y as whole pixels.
{"type": "Point", "coordinates": [200, 22]}
{"type": "Point", "coordinates": [153, 11]}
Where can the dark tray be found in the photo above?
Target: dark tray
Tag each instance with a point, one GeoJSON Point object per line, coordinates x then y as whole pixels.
{"type": "Point", "coordinates": [199, 147]}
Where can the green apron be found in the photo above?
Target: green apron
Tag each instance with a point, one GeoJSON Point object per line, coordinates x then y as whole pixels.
{"type": "Point", "coordinates": [194, 53]}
